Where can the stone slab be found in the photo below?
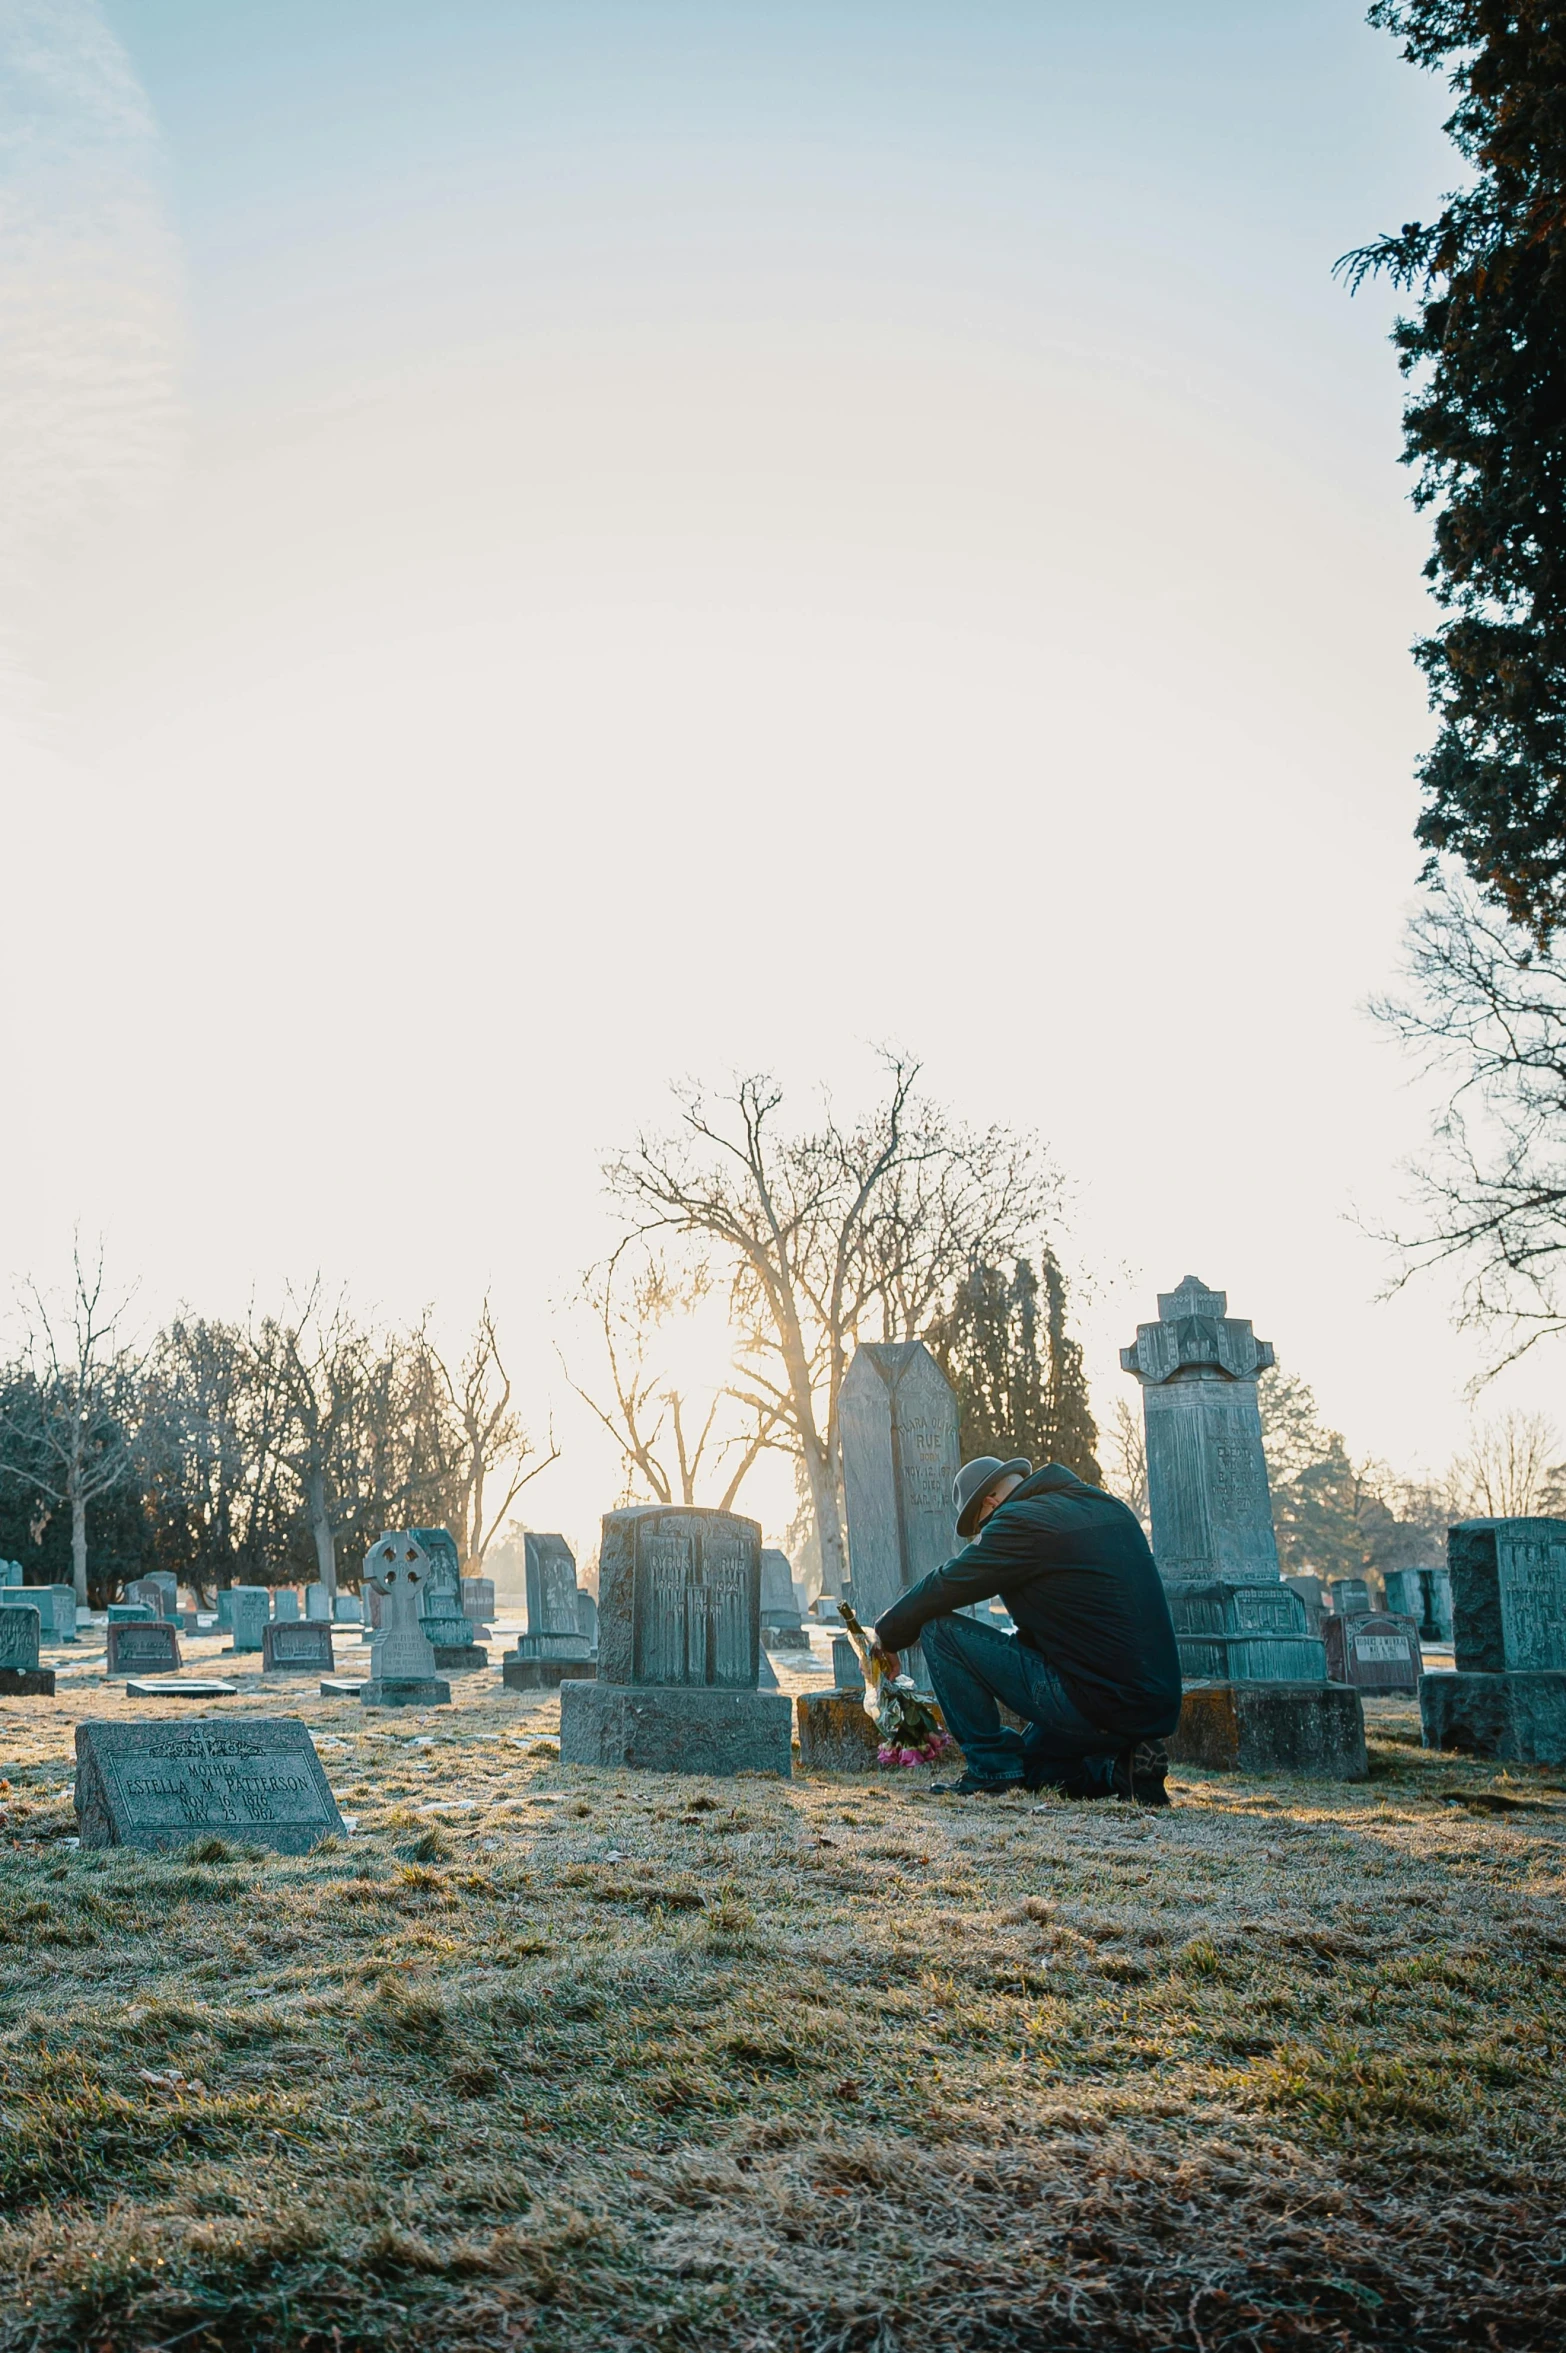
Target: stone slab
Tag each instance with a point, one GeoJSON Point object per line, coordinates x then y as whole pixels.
{"type": "Point", "coordinates": [1373, 1651]}
{"type": "Point", "coordinates": [1311, 1728]}
{"type": "Point", "coordinates": [19, 1626]}
{"type": "Point", "coordinates": [676, 1728]}
{"type": "Point", "coordinates": [835, 1734]}
{"type": "Point", "coordinates": [1517, 1719]}
{"type": "Point", "coordinates": [342, 1686]}
{"type": "Point", "coordinates": [784, 1638]}
{"type": "Point", "coordinates": [460, 1658]}
{"type": "Point", "coordinates": [521, 1674]}
{"type": "Point", "coordinates": [26, 1682]}
{"type": "Point", "coordinates": [429, 1691]}
{"type": "Point", "coordinates": [156, 1786]}
{"type": "Point", "coordinates": [169, 1687]}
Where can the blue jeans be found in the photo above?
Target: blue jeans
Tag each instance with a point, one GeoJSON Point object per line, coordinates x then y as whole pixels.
{"type": "Point", "coordinates": [971, 1667]}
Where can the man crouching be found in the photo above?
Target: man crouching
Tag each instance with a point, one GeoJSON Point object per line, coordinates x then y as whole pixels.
{"type": "Point", "coordinates": [1093, 1668]}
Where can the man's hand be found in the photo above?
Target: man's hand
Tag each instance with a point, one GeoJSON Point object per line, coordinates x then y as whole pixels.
{"type": "Point", "coordinates": [891, 1665]}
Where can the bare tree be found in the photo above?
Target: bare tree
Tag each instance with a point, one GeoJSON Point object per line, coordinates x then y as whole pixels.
{"type": "Point", "coordinates": [322, 1356]}
{"type": "Point", "coordinates": [72, 1440]}
{"type": "Point", "coordinates": [1491, 1009]}
{"type": "Point", "coordinates": [1128, 1459]}
{"type": "Point", "coordinates": [1512, 1470]}
{"type": "Point", "coordinates": [495, 1450]}
{"type": "Point", "coordinates": [827, 1236]}
{"type": "Point", "coordinates": [634, 1298]}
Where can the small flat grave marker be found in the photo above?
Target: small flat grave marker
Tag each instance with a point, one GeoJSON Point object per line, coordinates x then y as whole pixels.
{"type": "Point", "coordinates": [156, 1786]}
{"type": "Point", "coordinates": [196, 1687]}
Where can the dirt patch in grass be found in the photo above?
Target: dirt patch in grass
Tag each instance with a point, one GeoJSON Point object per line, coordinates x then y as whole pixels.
{"type": "Point", "coordinates": [573, 2059]}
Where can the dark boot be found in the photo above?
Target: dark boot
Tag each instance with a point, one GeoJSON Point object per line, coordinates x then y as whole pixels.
{"type": "Point", "coordinates": [972, 1785]}
{"type": "Point", "coordinates": [1139, 1774]}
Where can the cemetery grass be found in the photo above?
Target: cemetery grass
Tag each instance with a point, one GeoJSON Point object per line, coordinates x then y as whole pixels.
{"type": "Point", "coordinates": [577, 2059]}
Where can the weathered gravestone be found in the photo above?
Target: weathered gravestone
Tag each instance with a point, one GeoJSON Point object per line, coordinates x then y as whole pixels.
{"type": "Point", "coordinates": [55, 1604]}
{"type": "Point", "coordinates": [1313, 1593]}
{"type": "Point", "coordinates": [835, 1734]}
{"type": "Point", "coordinates": [402, 1661]}
{"type": "Point", "coordinates": [21, 1677]}
{"type": "Point", "coordinates": [780, 1623]}
{"type": "Point", "coordinates": [447, 1624]}
{"type": "Point", "coordinates": [130, 1613]}
{"type": "Point", "coordinates": [554, 1650]}
{"type": "Point", "coordinates": [285, 1606]}
{"type": "Point", "coordinates": [157, 1786]}
{"type": "Point", "coordinates": [347, 1609]}
{"type": "Point", "coordinates": [1350, 1597]}
{"type": "Point", "coordinates": [158, 1592]}
{"type": "Point", "coordinates": [1424, 1595]}
{"type": "Point", "coordinates": [1373, 1651]}
{"type": "Point", "coordinates": [898, 1414]}
{"type": "Point", "coordinates": [250, 1613]}
{"type": "Point", "coordinates": [152, 1649]}
{"type": "Point", "coordinates": [318, 1602]}
{"type": "Point", "coordinates": [225, 1609]}
{"type": "Point", "coordinates": [1507, 1695]}
{"type": "Point", "coordinates": [587, 1617]}
{"type": "Point", "coordinates": [1257, 1694]}
{"type": "Point", "coordinates": [478, 1601]}
{"type": "Point", "coordinates": [296, 1647]}
{"type": "Point", "coordinates": [679, 1647]}
{"type": "Point", "coordinates": [11, 1572]}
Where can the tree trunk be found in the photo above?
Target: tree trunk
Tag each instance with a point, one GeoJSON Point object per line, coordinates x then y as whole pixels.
{"type": "Point", "coordinates": [79, 1549]}
{"type": "Point", "coordinates": [321, 1530]}
{"type": "Point", "coordinates": [829, 1524]}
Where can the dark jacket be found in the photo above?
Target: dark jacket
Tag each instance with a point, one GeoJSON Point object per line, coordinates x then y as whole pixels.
{"type": "Point", "coordinates": [1075, 1570]}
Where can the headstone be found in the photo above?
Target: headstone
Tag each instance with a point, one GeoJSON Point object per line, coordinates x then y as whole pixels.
{"type": "Point", "coordinates": [478, 1600]}
{"type": "Point", "coordinates": [1313, 1593]}
{"type": "Point", "coordinates": [11, 1572]}
{"type": "Point", "coordinates": [554, 1650]}
{"type": "Point", "coordinates": [898, 1414]}
{"type": "Point", "coordinates": [780, 1626]}
{"type": "Point", "coordinates": [344, 1686]}
{"type": "Point", "coordinates": [154, 1787]}
{"type": "Point", "coordinates": [402, 1661]}
{"type": "Point", "coordinates": [587, 1616]}
{"type": "Point", "coordinates": [21, 1677]}
{"type": "Point", "coordinates": [347, 1609]}
{"type": "Point", "coordinates": [1507, 1696]}
{"type": "Point", "coordinates": [295, 1647]}
{"type": "Point", "coordinates": [447, 1624]}
{"type": "Point", "coordinates": [151, 1649]}
{"type": "Point", "coordinates": [285, 1606]}
{"type": "Point", "coordinates": [318, 1602]}
{"type": "Point", "coordinates": [158, 1592]}
{"type": "Point", "coordinates": [250, 1609]}
{"type": "Point", "coordinates": [225, 1609]}
{"type": "Point", "coordinates": [1424, 1595]}
{"type": "Point", "coordinates": [130, 1613]}
{"type": "Point", "coordinates": [1211, 1508]}
{"type": "Point", "coordinates": [679, 1648]}
{"type": "Point", "coordinates": [1350, 1597]}
{"type": "Point", "coordinates": [1373, 1651]}
{"type": "Point", "coordinates": [55, 1604]}
{"type": "Point", "coordinates": [1206, 1471]}
{"type": "Point", "coordinates": [847, 1673]}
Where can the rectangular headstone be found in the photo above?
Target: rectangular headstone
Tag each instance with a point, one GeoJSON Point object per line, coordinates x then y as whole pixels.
{"type": "Point", "coordinates": [285, 1606]}
{"type": "Point", "coordinates": [143, 1650]}
{"type": "Point", "coordinates": [1350, 1596]}
{"type": "Point", "coordinates": [156, 1786]}
{"type": "Point", "coordinates": [1206, 1468]}
{"type": "Point", "coordinates": [20, 1626]}
{"type": "Point", "coordinates": [130, 1613]}
{"type": "Point", "coordinates": [1508, 1595]}
{"type": "Point", "coordinates": [318, 1602]}
{"type": "Point", "coordinates": [1243, 1633]}
{"type": "Point", "coordinates": [296, 1648]}
{"type": "Point", "coordinates": [695, 1606]}
{"type": "Point", "coordinates": [250, 1614]}
{"type": "Point", "coordinates": [55, 1604]}
{"type": "Point", "coordinates": [587, 1616]}
{"type": "Point", "coordinates": [348, 1609]}
{"type": "Point", "coordinates": [11, 1572]}
{"type": "Point", "coordinates": [478, 1599]}
{"type": "Point", "coordinates": [551, 1584]}
{"type": "Point", "coordinates": [1373, 1651]}
{"type": "Point", "coordinates": [898, 1415]}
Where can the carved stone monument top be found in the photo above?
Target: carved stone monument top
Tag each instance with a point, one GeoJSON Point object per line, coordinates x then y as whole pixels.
{"type": "Point", "coordinates": [1196, 1333]}
{"type": "Point", "coordinates": [680, 1599]}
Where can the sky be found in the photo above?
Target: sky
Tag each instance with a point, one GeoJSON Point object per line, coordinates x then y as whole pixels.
{"type": "Point", "coordinates": [547, 549]}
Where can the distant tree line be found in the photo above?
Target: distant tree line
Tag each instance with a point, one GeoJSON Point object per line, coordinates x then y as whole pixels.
{"type": "Point", "coordinates": [269, 1452]}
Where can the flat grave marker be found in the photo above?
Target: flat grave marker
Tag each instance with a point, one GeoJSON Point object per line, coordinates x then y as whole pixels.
{"type": "Point", "coordinates": [157, 1786]}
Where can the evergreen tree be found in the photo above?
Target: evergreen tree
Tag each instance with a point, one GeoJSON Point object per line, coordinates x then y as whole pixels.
{"type": "Point", "coordinates": [1017, 1373]}
{"type": "Point", "coordinates": [1483, 429]}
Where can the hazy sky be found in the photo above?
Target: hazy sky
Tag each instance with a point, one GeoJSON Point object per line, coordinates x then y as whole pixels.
{"type": "Point", "coordinates": [565, 545]}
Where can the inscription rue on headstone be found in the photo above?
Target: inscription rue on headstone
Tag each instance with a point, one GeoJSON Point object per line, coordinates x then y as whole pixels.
{"type": "Point", "coordinates": [296, 1647]}
{"type": "Point", "coordinates": [156, 1786]}
{"type": "Point", "coordinates": [143, 1650]}
{"type": "Point", "coordinates": [1206, 1471]}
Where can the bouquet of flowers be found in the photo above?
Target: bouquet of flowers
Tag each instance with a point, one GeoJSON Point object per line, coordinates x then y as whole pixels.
{"type": "Point", "coordinates": [911, 1731]}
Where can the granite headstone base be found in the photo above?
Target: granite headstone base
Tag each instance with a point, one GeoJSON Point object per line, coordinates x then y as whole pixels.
{"type": "Point", "coordinates": [425, 1691]}
{"type": "Point", "coordinates": [1517, 1719]}
{"type": "Point", "coordinates": [460, 1658]}
{"type": "Point", "coordinates": [670, 1728]}
{"type": "Point", "coordinates": [26, 1682]}
{"type": "Point", "coordinates": [545, 1674]}
{"type": "Point", "coordinates": [1312, 1728]}
{"type": "Point", "coordinates": [835, 1734]}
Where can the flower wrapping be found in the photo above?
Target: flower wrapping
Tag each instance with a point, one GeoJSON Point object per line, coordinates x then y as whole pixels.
{"type": "Point", "coordinates": [911, 1731]}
